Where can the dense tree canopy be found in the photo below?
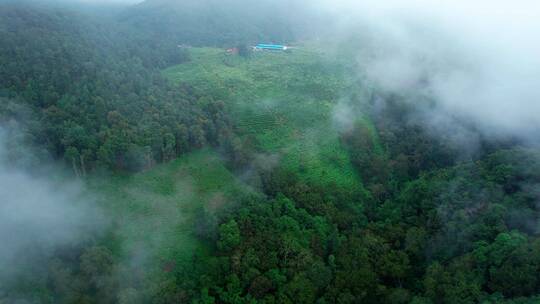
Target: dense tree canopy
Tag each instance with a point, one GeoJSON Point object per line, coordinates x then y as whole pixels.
{"type": "Point", "coordinates": [429, 225]}
{"type": "Point", "coordinates": [97, 94]}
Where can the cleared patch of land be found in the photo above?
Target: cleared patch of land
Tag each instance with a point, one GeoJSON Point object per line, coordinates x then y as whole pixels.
{"type": "Point", "coordinates": [154, 212]}
{"type": "Point", "coordinates": [285, 101]}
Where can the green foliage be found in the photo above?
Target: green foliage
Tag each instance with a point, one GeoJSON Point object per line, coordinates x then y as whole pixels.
{"type": "Point", "coordinates": [229, 236]}
{"type": "Point", "coordinates": [91, 100]}
{"type": "Point", "coordinates": [244, 51]}
{"type": "Point", "coordinates": [281, 105]}
{"type": "Point", "coordinates": [301, 205]}
{"type": "Point", "coordinates": [229, 21]}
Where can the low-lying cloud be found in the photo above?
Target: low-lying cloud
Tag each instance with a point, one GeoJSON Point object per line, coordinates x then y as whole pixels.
{"type": "Point", "coordinates": [476, 59]}
{"type": "Point", "coordinates": [38, 214]}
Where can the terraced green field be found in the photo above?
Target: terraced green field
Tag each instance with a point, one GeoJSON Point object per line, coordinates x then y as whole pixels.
{"type": "Point", "coordinates": [283, 100]}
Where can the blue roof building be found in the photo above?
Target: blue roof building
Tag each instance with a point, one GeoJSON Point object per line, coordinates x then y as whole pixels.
{"type": "Point", "coordinates": [271, 47]}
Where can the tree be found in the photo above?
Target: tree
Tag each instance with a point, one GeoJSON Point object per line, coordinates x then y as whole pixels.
{"type": "Point", "coordinates": [229, 236]}
{"type": "Point", "coordinates": [243, 50]}
{"type": "Point", "coordinates": [72, 154]}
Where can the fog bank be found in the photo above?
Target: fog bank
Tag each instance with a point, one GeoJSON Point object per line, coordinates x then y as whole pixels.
{"type": "Point", "coordinates": [475, 59]}
{"type": "Point", "coordinates": [39, 214]}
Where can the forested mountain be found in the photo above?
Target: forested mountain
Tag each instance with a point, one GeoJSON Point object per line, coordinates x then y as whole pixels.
{"type": "Point", "coordinates": [257, 177]}
{"type": "Point", "coordinates": [219, 23]}
{"type": "Point", "coordinates": [96, 93]}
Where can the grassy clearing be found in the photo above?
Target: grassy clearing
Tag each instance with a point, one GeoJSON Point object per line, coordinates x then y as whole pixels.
{"type": "Point", "coordinates": [283, 100]}
{"type": "Point", "coordinates": [155, 210]}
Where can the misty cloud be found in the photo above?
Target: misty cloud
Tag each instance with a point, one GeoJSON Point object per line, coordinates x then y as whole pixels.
{"type": "Point", "coordinates": [112, 1]}
{"type": "Point", "coordinates": [478, 59]}
{"type": "Point", "coordinates": [71, 3]}
{"type": "Point", "coordinates": [343, 117]}
{"type": "Point", "coordinates": [39, 214]}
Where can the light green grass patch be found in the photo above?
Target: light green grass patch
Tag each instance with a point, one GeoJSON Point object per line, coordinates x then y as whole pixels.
{"type": "Point", "coordinates": [154, 211]}
{"type": "Point", "coordinates": [283, 100]}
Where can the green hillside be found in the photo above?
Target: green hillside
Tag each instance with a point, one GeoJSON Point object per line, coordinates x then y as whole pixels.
{"type": "Point", "coordinates": [284, 101]}
{"type": "Point", "coordinates": [149, 155]}
{"type": "Point", "coordinates": [157, 209]}
{"type": "Point", "coordinates": [155, 212]}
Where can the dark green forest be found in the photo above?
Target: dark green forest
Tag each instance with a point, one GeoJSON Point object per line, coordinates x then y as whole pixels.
{"type": "Point", "coordinates": [423, 222]}
{"type": "Point", "coordinates": [95, 97]}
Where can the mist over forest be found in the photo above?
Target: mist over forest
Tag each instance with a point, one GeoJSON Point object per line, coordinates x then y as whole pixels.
{"type": "Point", "coordinates": [285, 151]}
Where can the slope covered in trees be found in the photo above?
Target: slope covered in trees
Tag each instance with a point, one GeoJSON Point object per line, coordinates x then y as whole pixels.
{"type": "Point", "coordinates": [218, 23]}
{"type": "Point", "coordinates": [262, 178]}
{"type": "Point", "coordinates": [97, 97]}
{"type": "Point", "coordinates": [421, 234]}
